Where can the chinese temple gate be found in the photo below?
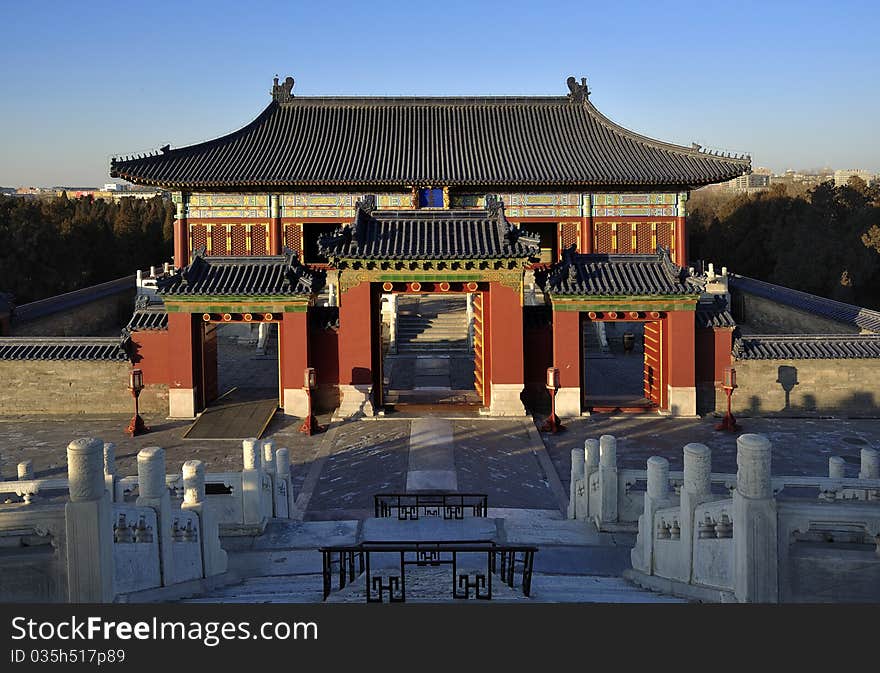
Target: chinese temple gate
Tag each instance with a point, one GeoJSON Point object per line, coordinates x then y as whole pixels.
{"type": "Point", "coordinates": [553, 221]}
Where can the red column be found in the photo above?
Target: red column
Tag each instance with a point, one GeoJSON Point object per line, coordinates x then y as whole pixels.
{"type": "Point", "coordinates": [506, 335]}
{"type": "Point", "coordinates": [567, 357]}
{"type": "Point", "coordinates": [275, 238]}
{"type": "Point", "coordinates": [680, 256]}
{"type": "Point", "coordinates": [567, 347]}
{"type": "Point", "coordinates": [181, 238]}
{"type": "Point", "coordinates": [183, 398]}
{"type": "Point", "coordinates": [180, 350]}
{"type": "Point", "coordinates": [356, 336]}
{"type": "Point", "coordinates": [294, 350]}
{"type": "Point", "coordinates": [680, 362]}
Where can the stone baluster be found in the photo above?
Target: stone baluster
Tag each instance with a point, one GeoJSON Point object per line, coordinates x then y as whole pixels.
{"type": "Point", "coordinates": [607, 479]}
{"type": "Point", "coordinates": [836, 467]}
{"type": "Point", "coordinates": [110, 473]}
{"type": "Point", "coordinates": [252, 484]}
{"type": "Point", "coordinates": [657, 496]}
{"type": "Point", "coordinates": [577, 475]}
{"type": "Point", "coordinates": [283, 486]}
{"type": "Point", "coordinates": [754, 523]}
{"type": "Point", "coordinates": [88, 524]}
{"type": "Point", "coordinates": [25, 472]}
{"type": "Point", "coordinates": [152, 492]}
{"type": "Point", "coordinates": [214, 559]}
{"type": "Point", "coordinates": [591, 465]}
{"type": "Point", "coordinates": [869, 468]}
{"type": "Point", "coordinates": [695, 489]}
{"type": "Point", "coordinates": [269, 473]}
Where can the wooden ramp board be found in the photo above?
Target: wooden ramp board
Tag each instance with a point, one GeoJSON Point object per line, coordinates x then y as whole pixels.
{"type": "Point", "coordinates": [238, 420]}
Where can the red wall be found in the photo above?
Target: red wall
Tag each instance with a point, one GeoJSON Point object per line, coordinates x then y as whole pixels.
{"type": "Point", "coordinates": [567, 347]}
{"type": "Point", "coordinates": [151, 354]}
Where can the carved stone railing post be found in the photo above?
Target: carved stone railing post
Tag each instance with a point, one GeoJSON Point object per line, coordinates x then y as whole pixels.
{"type": "Point", "coordinates": [656, 497]}
{"type": "Point", "coordinates": [152, 492]}
{"type": "Point", "coordinates": [252, 483]}
{"type": "Point", "coordinates": [88, 524]}
{"type": "Point", "coordinates": [283, 486]}
{"type": "Point", "coordinates": [869, 468]}
{"type": "Point", "coordinates": [754, 523]}
{"type": "Point", "coordinates": [110, 472]}
{"type": "Point", "coordinates": [577, 481]}
{"type": "Point", "coordinates": [607, 480]}
{"type": "Point", "coordinates": [836, 467]}
{"type": "Point", "coordinates": [591, 465]}
{"type": "Point", "coordinates": [269, 473]}
{"type": "Point", "coordinates": [214, 560]}
{"type": "Point", "coordinates": [25, 470]}
{"type": "Point", "coordinates": [696, 489]}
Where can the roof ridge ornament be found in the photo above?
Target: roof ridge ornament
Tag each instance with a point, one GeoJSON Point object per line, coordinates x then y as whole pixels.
{"type": "Point", "coordinates": [494, 205]}
{"type": "Point", "coordinates": [579, 92]}
{"type": "Point", "coordinates": [282, 93]}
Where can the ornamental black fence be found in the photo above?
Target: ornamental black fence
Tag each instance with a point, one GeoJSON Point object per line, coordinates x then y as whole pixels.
{"type": "Point", "coordinates": [411, 506]}
{"type": "Point", "coordinates": [350, 562]}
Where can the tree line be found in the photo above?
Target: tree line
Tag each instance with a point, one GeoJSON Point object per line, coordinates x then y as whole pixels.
{"type": "Point", "coordinates": [825, 240]}
{"type": "Point", "coordinates": [52, 246]}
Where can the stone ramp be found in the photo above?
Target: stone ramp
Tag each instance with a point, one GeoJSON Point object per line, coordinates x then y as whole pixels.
{"type": "Point", "coordinates": [237, 420]}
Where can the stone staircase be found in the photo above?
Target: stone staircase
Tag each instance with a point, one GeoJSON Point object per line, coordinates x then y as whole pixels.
{"type": "Point", "coordinates": [432, 324]}
{"type": "Point", "coordinates": [574, 564]}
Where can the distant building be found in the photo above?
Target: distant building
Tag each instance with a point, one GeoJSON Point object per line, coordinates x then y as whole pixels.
{"type": "Point", "coordinates": [757, 180]}
{"type": "Point", "coordinates": [841, 177]}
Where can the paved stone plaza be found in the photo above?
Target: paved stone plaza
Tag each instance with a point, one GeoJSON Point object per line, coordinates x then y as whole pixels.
{"type": "Point", "coordinates": [335, 474]}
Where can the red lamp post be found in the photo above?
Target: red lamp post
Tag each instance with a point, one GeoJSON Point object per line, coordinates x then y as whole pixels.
{"type": "Point", "coordinates": [552, 424]}
{"type": "Point", "coordinates": [728, 382]}
{"type": "Point", "coordinates": [310, 380]}
{"type": "Point", "coordinates": [136, 385]}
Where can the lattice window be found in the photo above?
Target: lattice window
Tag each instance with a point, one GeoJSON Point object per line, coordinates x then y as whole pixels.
{"type": "Point", "coordinates": [664, 234]}
{"type": "Point", "coordinates": [258, 240]}
{"type": "Point", "coordinates": [199, 236]}
{"type": "Point", "coordinates": [238, 234]}
{"type": "Point", "coordinates": [293, 237]}
{"type": "Point", "coordinates": [219, 240]}
{"type": "Point", "coordinates": [603, 237]}
{"type": "Point", "coordinates": [643, 237]}
{"type": "Point", "coordinates": [569, 235]}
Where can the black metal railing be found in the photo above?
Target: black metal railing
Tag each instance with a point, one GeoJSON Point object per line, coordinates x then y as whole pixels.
{"type": "Point", "coordinates": [411, 506]}
{"type": "Point", "coordinates": [350, 562]}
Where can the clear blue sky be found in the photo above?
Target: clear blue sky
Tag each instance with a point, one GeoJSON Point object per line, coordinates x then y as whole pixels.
{"type": "Point", "coordinates": [793, 83]}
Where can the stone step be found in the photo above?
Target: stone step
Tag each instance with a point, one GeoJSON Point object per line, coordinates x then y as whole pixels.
{"type": "Point", "coordinates": [433, 585]}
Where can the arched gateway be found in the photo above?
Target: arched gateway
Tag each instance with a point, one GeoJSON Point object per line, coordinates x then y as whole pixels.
{"type": "Point", "coordinates": [559, 225]}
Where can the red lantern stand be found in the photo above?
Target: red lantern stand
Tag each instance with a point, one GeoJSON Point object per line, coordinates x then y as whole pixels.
{"type": "Point", "coordinates": [136, 385]}
{"type": "Point", "coordinates": [310, 426]}
{"type": "Point", "coordinates": [552, 424]}
{"type": "Point", "coordinates": [728, 382]}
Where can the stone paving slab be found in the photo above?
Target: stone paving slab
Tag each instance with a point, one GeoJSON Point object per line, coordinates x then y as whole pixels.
{"type": "Point", "coordinates": [429, 529]}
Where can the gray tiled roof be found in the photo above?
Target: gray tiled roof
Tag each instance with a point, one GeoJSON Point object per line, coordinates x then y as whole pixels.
{"type": "Point", "coordinates": [561, 141]}
{"type": "Point", "coordinates": [826, 308]}
{"type": "Point", "coordinates": [63, 348]}
{"type": "Point", "coordinates": [281, 275]}
{"type": "Point", "coordinates": [64, 302]}
{"type": "Point", "coordinates": [148, 319]}
{"type": "Point", "coordinates": [714, 313]}
{"type": "Point", "coordinates": [428, 235]}
{"type": "Point", "coordinates": [618, 275]}
{"type": "Point", "coordinates": [806, 346]}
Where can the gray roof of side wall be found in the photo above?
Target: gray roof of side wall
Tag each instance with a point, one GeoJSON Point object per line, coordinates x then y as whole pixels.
{"type": "Point", "coordinates": [830, 309]}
